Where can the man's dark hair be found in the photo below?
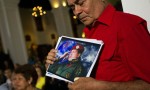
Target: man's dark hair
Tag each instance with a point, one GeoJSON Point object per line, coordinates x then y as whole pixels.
{"type": "Point", "coordinates": [28, 71]}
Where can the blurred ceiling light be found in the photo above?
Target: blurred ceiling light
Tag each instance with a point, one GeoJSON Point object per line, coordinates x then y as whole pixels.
{"type": "Point", "coordinates": [64, 3]}
{"type": "Point", "coordinates": [74, 17]}
{"type": "Point", "coordinates": [54, 3]}
{"type": "Point", "coordinates": [37, 11]}
{"type": "Point", "coordinates": [83, 35]}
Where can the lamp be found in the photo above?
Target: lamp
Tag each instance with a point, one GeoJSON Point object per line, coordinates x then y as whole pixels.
{"type": "Point", "coordinates": [57, 3]}
{"type": "Point", "coordinates": [37, 11]}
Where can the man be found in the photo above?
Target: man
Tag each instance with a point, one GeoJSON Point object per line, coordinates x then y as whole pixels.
{"type": "Point", "coordinates": [24, 78]}
{"type": "Point", "coordinates": [7, 85]}
{"type": "Point", "coordinates": [8, 73]}
{"type": "Point", "coordinates": [72, 67]}
{"type": "Point", "coordinates": [124, 60]}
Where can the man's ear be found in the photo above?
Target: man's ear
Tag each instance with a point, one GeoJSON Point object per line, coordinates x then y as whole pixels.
{"type": "Point", "coordinates": [30, 80]}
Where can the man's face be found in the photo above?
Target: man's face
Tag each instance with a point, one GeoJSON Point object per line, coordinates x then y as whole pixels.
{"type": "Point", "coordinates": [73, 55]}
{"type": "Point", "coordinates": [87, 11]}
{"type": "Point", "coordinates": [19, 82]}
{"type": "Point", "coordinates": [39, 72]}
{"type": "Point", "coordinates": [8, 73]}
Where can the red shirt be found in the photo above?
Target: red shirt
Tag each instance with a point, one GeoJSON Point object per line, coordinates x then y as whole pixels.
{"type": "Point", "coordinates": [126, 52]}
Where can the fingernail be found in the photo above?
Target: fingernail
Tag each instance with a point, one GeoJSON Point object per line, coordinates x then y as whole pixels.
{"type": "Point", "coordinates": [75, 79]}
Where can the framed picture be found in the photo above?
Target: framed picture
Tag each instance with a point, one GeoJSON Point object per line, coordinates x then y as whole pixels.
{"type": "Point", "coordinates": [75, 58]}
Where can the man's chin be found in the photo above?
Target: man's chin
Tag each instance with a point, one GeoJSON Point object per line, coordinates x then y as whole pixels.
{"type": "Point", "coordinates": [86, 23]}
{"type": "Point", "coordinates": [70, 59]}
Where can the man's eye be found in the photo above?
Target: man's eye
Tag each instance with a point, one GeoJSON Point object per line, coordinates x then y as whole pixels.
{"type": "Point", "coordinates": [72, 7]}
{"type": "Point", "coordinates": [81, 3]}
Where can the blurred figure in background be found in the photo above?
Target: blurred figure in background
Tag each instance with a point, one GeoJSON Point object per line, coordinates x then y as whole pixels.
{"type": "Point", "coordinates": [5, 61]}
{"type": "Point", "coordinates": [41, 77]}
{"type": "Point", "coordinates": [8, 73]}
{"type": "Point", "coordinates": [33, 54]}
{"type": "Point", "coordinates": [2, 77]}
{"type": "Point", "coordinates": [7, 85]}
{"type": "Point", "coordinates": [24, 78]}
{"type": "Point", "coordinates": [16, 65]}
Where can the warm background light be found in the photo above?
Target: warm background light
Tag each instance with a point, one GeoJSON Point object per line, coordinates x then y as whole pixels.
{"type": "Point", "coordinates": [37, 11]}
{"type": "Point", "coordinates": [64, 3]}
{"type": "Point", "coordinates": [83, 35]}
{"type": "Point", "coordinates": [55, 3]}
{"type": "Point", "coordinates": [74, 17]}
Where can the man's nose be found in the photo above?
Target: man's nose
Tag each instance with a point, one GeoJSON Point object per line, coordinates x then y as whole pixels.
{"type": "Point", "coordinates": [78, 10]}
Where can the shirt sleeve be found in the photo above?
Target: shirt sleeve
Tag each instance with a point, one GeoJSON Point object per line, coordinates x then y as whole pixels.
{"type": "Point", "coordinates": [136, 50]}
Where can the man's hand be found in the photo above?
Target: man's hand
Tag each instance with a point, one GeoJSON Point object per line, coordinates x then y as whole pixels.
{"type": "Point", "coordinates": [85, 83]}
{"type": "Point", "coordinates": [51, 57]}
{"type": "Point", "coordinates": [88, 83]}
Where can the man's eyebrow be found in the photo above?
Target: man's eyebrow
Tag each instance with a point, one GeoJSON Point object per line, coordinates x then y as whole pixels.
{"type": "Point", "coordinates": [76, 2]}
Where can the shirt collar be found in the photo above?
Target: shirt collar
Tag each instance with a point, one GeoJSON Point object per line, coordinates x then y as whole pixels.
{"type": "Point", "coordinates": [107, 15]}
